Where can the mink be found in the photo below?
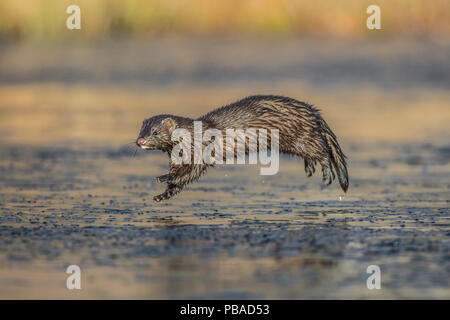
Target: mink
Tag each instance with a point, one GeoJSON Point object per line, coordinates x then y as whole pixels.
{"type": "Point", "coordinates": [302, 132]}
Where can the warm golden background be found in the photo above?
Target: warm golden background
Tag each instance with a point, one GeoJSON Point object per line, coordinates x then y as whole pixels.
{"type": "Point", "coordinates": [42, 19]}
{"type": "Point", "coordinates": [151, 56]}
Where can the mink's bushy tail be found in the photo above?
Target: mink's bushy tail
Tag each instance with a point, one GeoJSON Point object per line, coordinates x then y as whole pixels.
{"type": "Point", "coordinates": [337, 158]}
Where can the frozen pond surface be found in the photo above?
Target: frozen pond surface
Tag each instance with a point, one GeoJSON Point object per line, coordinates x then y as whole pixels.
{"type": "Point", "coordinates": [71, 191]}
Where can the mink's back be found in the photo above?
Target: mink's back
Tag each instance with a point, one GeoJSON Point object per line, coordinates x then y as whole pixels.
{"type": "Point", "coordinates": [259, 111]}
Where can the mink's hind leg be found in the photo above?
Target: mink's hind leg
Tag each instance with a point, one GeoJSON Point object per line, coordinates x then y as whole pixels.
{"type": "Point", "coordinates": [328, 173]}
{"type": "Point", "coordinates": [309, 168]}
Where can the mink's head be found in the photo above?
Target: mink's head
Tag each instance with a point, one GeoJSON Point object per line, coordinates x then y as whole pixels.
{"type": "Point", "coordinates": [156, 133]}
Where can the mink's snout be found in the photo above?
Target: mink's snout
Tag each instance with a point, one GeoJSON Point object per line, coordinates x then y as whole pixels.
{"type": "Point", "coordinates": [140, 142]}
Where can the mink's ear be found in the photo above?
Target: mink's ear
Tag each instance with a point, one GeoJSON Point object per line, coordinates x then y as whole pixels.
{"type": "Point", "coordinates": [169, 123]}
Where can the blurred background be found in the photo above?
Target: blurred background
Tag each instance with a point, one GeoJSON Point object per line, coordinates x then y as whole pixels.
{"type": "Point", "coordinates": [141, 58]}
{"type": "Point", "coordinates": [136, 19]}
{"type": "Point", "coordinates": [72, 102]}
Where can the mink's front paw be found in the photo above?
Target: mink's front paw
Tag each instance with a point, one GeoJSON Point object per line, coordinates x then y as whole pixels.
{"type": "Point", "coordinates": [163, 196]}
{"type": "Point", "coordinates": [160, 197]}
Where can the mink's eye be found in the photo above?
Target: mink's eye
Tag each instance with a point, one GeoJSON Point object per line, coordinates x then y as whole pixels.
{"type": "Point", "coordinates": [155, 133]}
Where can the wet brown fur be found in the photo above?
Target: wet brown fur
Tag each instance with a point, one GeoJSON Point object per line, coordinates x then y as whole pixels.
{"type": "Point", "coordinates": [302, 132]}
